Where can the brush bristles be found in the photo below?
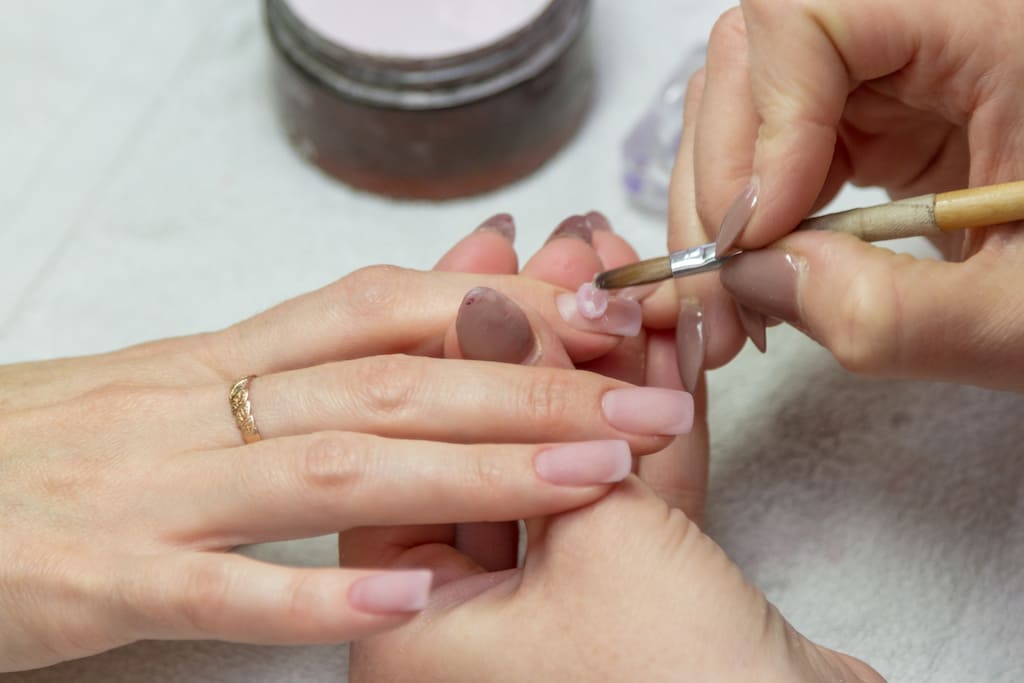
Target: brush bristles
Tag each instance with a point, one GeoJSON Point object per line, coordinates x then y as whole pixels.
{"type": "Point", "coordinates": [640, 273]}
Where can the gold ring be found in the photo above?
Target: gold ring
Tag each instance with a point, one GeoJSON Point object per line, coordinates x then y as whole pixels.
{"type": "Point", "coordinates": [241, 408]}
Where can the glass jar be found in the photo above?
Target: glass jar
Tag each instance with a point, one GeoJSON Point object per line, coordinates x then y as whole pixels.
{"type": "Point", "coordinates": [402, 114]}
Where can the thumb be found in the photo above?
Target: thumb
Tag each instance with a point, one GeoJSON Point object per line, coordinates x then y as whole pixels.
{"type": "Point", "coordinates": [882, 313]}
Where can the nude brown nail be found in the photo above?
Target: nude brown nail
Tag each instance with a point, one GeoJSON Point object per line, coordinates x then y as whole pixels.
{"type": "Point", "coordinates": [490, 326]}
{"type": "Point", "coordinates": [598, 221]}
{"type": "Point", "coordinates": [574, 226]}
{"type": "Point", "coordinates": [690, 343]}
{"type": "Point", "coordinates": [736, 218]}
{"type": "Point", "coordinates": [501, 223]}
{"type": "Point", "coordinates": [764, 281]}
{"type": "Point", "coordinates": [754, 325]}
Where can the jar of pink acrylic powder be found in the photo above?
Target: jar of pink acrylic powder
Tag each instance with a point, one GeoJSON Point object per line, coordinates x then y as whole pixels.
{"type": "Point", "coordinates": [430, 98]}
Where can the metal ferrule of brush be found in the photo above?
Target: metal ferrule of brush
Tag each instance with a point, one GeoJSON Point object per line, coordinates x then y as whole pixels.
{"type": "Point", "coordinates": [695, 260]}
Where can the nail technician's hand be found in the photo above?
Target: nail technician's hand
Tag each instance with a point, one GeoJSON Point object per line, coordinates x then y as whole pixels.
{"type": "Point", "coordinates": [124, 476]}
{"type": "Point", "coordinates": [625, 589]}
{"type": "Point", "coordinates": [915, 97]}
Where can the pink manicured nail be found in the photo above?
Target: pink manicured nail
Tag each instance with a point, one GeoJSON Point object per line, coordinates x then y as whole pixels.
{"type": "Point", "coordinates": [585, 463]}
{"type": "Point", "coordinates": [397, 591]}
{"type": "Point", "coordinates": [736, 218]}
{"type": "Point", "coordinates": [649, 410]}
{"type": "Point", "coordinates": [621, 316]}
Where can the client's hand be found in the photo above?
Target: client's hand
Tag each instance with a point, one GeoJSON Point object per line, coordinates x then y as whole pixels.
{"type": "Point", "coordinates": [123, 476]}
{"type": "Point", "coordinates": [626, 589]}
{"type": "Point", "coordinates": [468, 558]}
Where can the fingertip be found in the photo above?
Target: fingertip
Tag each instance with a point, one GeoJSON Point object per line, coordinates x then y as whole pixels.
{"type": "Point", "coordinates": [568, 258]}
{"type": "Point", "coordinates": [486, 250]}
{"type": "Point", "coordinates": [612, 249]}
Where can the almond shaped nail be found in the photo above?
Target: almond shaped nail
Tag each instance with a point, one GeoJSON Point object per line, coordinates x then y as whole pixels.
{"type": "Point", "coordinates": [690, 343]}
{"type": "Point", "coordinates": [736, 218]}
{"type": "Point", "coordinates": [490, 326]}
{"type": "Point", "coordinates": [598, 221]}
{"type": "Point", "coordinates": [754, 325]}
{"type": "Point", "coordinates": [501, 223]}
{"type": "Point", "coordinates": [574, 226]}
{"type": "Point", "coordinates": [764, 280]}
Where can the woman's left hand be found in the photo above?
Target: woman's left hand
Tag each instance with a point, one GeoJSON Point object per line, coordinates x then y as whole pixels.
{"type": "Point", "coordinates": [124, 475]}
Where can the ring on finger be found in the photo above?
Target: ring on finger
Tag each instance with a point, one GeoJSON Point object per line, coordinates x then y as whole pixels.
{"type": "Point", "coordinates": [241, 408]}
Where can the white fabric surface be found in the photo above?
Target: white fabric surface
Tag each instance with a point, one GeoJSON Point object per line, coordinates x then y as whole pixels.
{"type": "Point", "coordinates": [145, 191]}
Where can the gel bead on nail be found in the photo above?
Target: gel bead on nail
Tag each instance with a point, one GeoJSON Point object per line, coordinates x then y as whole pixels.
{"type": "Point", "coordinates": [607, 314]}
{"type": "Point", "coordinates": [591, 302]}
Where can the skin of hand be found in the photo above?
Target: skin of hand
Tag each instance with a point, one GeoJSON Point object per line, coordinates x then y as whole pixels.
{"type": "Point", "coordinates": [124, 477]}
{"type": "Point", "coordinates": [578, 247]}
{"type": "Point", "coordinates": [627, 588]}
{"type": "Point", "coordinates": [914, 97]}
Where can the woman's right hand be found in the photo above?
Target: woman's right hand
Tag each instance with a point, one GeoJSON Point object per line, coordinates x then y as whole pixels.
{"type": "Point", "coordinates": [124, 475]}
{"type": "Point", "coordinates": [915, 97]}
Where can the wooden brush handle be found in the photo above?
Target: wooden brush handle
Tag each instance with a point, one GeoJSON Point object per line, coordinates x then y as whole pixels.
{"type": "Point", "coordinates": [929, 214]}
{"type": "Point", "coordinates": [980, 206]}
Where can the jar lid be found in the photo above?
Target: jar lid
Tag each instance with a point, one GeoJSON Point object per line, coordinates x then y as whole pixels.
{"type": "Point", "coordinates": [416, 29]}
{"type": "Point", "coordinates": [348, 46]}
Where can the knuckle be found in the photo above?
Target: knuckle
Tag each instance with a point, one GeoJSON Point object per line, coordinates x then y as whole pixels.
{"type": "Point", "coordinates": [370, 290]}
{"type": "Point", "coordinates": [385, 386]}
{"type": "Point", "coordinates": [332, 462]}
{"type": "Point", "coordinates": [866, 337]}
{"type": "Point", "coordinates": [203, 599]}
{"type": "Point", "coordinates": [488, 474]}
{"type": "Point", "coordinates": [304, 598]}
{"type": "Point", "coordinates": [547, 399]}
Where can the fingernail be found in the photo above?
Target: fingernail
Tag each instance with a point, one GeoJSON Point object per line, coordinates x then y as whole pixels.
{"type": "Point", "coordinates": [598, 221]}
{"type": "Point", "coordinates": [648, 410]}
{"type": "Point", "coordinates": [690, 343]}
{"type": "Point", "coordinates": [396, 591]}
{"type": "Point", "coordinates": [502, 224]}
{"type": "Point", "coordinates": [621, 316]}
{"type": "Point", "coordinates": [638, 292]}
{"type": "Point", "coordinates": [764, 281]}
{"type": "Point", "coordinates": [754, 325]}
{"type": "Point", "coordinates": [591, 302]}
{"type": "Point", "coordinates": [573, 226]}
{"type": "Point", "coordinates": [585, 463]}
{"type": "Point", "coordinates": [737, 217]}
{"type": "Point", "coordinates": [490, 326]}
